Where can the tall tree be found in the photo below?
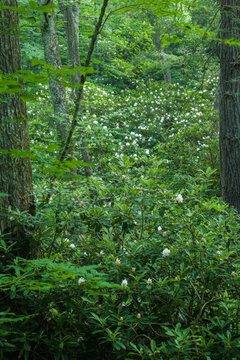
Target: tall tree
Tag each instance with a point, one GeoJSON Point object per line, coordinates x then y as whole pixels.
{"type": "Point", "coordinates": [71, 24]}
{"type": "Point", "coordinates": [15, 172]}
{"type": "Point", "coordinates": [229, 108]}
{"type": "Point", "coordinates": [52, 57]}
{"type": "Point", "coordinates": [70, 14]}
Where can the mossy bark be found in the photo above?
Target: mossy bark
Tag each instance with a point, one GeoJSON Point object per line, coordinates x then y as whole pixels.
{"type": "Point", "coordinates": [229, 107]}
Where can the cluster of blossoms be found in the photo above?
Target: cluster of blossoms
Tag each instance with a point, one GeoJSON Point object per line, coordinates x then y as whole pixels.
{"type": "Point", "coordinates": [124, 283]}
{"type": "Point", "coordinates": [179, 198]}
{"type": "Point", "coordinates": [149, 281]}
{"type": "Point", "coordinates": [81, 281]}
{"type": "Point", "coordinates": [166, 252]}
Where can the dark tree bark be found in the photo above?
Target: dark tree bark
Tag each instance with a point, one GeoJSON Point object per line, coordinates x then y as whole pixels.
{"type": "Point", "coordinates": [15, 172]}
{"type": "Point", "coordinates": [229, 107]}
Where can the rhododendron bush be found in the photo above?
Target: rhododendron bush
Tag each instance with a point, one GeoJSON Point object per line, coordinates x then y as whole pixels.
{"type": "Point", "coordinates": [140, 261]}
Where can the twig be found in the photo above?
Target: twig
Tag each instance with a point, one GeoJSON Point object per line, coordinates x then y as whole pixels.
{"type": "Point", "coordinates": [119, 9]}
{"type": "Point", "coordinates": [196, 291]}
{"type": "Point", "coordinates": [83, 80]}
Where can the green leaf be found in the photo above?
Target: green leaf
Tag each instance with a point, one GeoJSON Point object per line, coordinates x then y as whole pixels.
{"type": "Point", "coordinates": [153, 345]}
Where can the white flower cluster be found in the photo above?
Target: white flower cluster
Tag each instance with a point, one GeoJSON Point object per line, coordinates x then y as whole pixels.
{"type": "Point", "coordinates": [124, 283]}
{"type": "Point", "coordinates": [81, 281]}
{"type": "Point", "coordinates": [179, 198]}
{"type": "Point", "coordinates": [166, 252]}
{"type": "Point", "coordinates": [149, 281]}
{"type": "Point", "coordinates": [118, 262]}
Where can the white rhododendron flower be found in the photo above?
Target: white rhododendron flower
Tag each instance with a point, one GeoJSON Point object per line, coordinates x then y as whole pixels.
{"type": "Point", "coordinates": [81, 281]}
{"type": "Point", "coordinates": [72, 246]}
{"type": "Point", "coordinates": [166, 252]}
{"type": "Point", "coordinates": [159, 228]}
{"type": "Point", "coordinates": [179, 198]}
{"type": "Point", "coordinates": [124, 283]}
{"type": "Point", "coordinates": [118, 262]}
{"type": "Point", "coordinates": [149, 281]}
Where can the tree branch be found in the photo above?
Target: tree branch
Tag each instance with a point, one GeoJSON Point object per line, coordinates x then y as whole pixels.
{"type": "Point", "coordinates": [80, 91]}
{"type": "Point", "coordinates": [83, 80]}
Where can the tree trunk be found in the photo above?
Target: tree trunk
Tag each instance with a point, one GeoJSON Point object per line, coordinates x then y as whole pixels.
{"type": "Point", "coordinates": [229, 107]}
{"type": "Point", "coordinates": [71, 24]}
{"type": "Point", "coordinates": [15, 172]}
{"type": "Point", "coordinates": [52, 57]}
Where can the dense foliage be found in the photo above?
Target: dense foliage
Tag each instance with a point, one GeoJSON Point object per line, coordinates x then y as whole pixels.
{"type": "Point", "coordinates": [141, 260]}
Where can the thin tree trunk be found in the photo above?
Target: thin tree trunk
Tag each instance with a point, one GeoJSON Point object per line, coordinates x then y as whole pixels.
{"type": "Point", "coordinates": [71, 24]}
{"type": "Point", "coordinates": [158, 44]}
{"type": "Point", "coordinates": [78, 101]}
{"type": "Point", "coordinates": [15, 172]}
{"type": "Point", "coordinates": [52, 57]}
{"type": "Point", "coordinates": [229, 108]}
{"type": "Point", "coordinates": [70, 14]}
